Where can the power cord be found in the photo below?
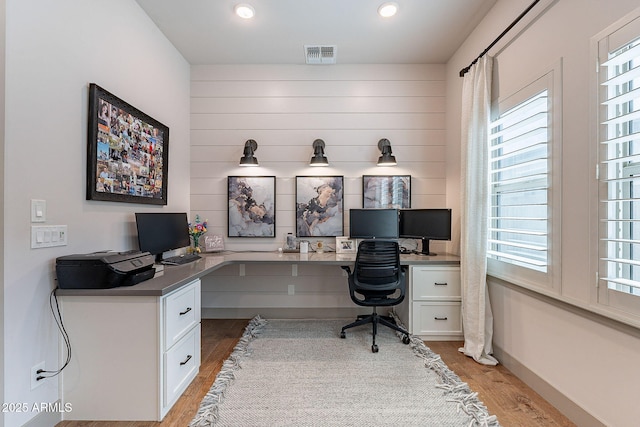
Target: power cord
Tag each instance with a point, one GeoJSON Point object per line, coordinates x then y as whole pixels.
{"type": "Point", "coordinates": [53, 298]}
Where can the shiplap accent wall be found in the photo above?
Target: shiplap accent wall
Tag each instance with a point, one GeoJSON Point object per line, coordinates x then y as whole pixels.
{"type": "Point", "coordinates": [285, 108]}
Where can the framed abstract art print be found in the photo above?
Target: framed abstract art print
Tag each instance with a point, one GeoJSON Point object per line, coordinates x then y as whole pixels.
{"type": "Point", "coordinates": [386, 191]}
{"type": "Point", "coordinates": [252, 206]}
{"type": "Point", "coordinates": [319, 206]}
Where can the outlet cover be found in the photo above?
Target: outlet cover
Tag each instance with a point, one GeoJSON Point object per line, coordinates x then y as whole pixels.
{"type": "Point", "coordinates": [34, 374]}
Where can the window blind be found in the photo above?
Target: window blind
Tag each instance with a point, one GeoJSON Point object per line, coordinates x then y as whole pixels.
{"type": "Point", "coordinates": [519, 180]}
{"type": "Point", "coordinates": [619, 171]}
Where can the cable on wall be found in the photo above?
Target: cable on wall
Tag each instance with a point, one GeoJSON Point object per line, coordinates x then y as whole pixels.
{"type": "Point", "coordinates": [55, 311]}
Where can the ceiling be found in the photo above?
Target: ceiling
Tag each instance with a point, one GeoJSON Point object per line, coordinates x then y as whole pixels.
{"type": "Point", "coordinates": [422, 32]}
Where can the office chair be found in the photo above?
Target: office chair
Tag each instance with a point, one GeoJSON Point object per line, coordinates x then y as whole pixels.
{"type": "Point", "coordinates": [377, 280]}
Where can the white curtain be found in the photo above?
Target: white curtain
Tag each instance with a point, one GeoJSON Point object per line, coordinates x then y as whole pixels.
{"type": "Point", "coordinates": [477, 318]}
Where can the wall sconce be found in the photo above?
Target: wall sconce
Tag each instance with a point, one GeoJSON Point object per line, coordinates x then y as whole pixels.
{"type": "Point", "coordinates": [247, 158]}
{"type": "Point", "coordinates": [318, 159]}
{"type": "Point", "coordinates": [387, 159]}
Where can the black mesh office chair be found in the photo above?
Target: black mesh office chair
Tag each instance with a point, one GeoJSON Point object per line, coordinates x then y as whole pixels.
{"type": "Point", "coordinates": [377, 280]}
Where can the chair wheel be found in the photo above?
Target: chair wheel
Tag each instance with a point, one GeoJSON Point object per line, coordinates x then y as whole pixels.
{"type": "Point", "coordinates": [374, 348]}
{"type": "Point", "coordinates": [343, 335]}
{"type": "Point", "coordinates": [405, 339]}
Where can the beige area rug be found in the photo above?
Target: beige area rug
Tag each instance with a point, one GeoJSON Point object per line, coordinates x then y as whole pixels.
{"type": "Point", "coordinates": [300, 373]}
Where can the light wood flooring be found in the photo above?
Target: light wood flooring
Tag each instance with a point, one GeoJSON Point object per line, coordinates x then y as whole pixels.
{"type": "Point", "coordinates": [505, 395]}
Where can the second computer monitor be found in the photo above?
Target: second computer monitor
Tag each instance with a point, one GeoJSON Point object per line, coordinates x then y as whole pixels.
{"type": "Point", "coordinates": [426, 224]}
{"type": "Point", "coordinates": [373, 224]}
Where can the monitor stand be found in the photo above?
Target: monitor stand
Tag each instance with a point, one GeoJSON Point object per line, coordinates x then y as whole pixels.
{"type": "Point", "coordinates": [425, 248]}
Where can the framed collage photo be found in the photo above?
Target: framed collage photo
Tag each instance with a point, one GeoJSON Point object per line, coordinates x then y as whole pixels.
{"type": "Point", "coordinates": [127, 152]}
{"type": "Point", "coordinates": [386, 191]}
{"type": "Point", "coordinates": [252, 206]}
{"type": "Point", "coordinates": [319, 206]}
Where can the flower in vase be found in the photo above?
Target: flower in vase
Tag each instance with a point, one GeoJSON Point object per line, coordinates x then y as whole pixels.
{"type": "Point", "coordinates": [196, 230]}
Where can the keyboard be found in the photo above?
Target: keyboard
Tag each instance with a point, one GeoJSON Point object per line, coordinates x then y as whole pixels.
{"type": "Point", "coordinates": [180, 259]}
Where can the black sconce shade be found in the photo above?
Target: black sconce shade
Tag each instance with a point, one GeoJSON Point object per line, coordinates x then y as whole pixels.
{"type": "Point", "coordinates": [387, 159]}
{"type": "Point", "coordinates": [318, 159]}
{"type": "Point", "coordinates": [247, 158]}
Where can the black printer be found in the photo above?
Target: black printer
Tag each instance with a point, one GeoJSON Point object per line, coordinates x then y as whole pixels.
{"type": "Point", "coordinates": [103, 270]}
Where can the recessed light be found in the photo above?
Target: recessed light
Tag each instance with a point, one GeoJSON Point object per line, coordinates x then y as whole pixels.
{"type": "Point", "coordinates": [245, 11]}
{"type": "Point", "coordinates": [387, 10]}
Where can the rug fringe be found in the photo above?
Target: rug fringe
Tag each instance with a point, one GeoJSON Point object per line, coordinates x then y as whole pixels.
{"type": "Point", "coordinates": [207, 414]}
{"type": "Point", "coordinates": [457, 390]}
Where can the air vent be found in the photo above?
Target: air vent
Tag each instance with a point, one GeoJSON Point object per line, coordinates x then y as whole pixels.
{"type": "Point", "coordinates": [320, 54]}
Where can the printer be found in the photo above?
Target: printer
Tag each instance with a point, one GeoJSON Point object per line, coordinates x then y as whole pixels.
{"type": "Point", "coordinates": [103, 270]}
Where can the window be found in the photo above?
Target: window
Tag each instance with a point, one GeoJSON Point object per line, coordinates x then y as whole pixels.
{"type": "Point", "coordinates": [619, 170]}
{"type": "Point", "coordinates": [524, 186]}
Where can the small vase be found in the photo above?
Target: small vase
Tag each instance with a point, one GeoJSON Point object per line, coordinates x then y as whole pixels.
{"type": "Point", "coordinates": [195, 248]}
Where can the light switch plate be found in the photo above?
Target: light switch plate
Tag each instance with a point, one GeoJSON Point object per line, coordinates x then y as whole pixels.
{"type": "Point", "coordinates": [38, 210]}
{"type": "Point", "coordinates": [46, 236]}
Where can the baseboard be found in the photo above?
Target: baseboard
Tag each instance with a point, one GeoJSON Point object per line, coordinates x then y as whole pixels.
{"type": "Point", "coordinates": [46, 418]}
{"type": "Point", "coordinates": [283, 313]}
{"type": "Point", "coordinates": [565, 405]}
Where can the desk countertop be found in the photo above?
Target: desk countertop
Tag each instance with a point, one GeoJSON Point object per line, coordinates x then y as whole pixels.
{"type": "Point", "coordinates": [173, 277]}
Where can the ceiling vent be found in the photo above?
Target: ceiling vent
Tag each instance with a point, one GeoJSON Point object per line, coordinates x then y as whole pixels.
{"type": "Point", "coordinates": [320, 54]}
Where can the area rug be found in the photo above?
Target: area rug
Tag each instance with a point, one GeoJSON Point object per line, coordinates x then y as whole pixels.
{"type": "Point", "coordinates": [300, 373]}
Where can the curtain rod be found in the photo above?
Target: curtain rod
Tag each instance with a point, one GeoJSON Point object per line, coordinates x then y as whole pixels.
{"type": "Point", "coordinates": [465, 70]}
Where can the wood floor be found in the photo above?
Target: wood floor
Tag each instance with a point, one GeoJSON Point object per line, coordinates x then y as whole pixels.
{"type": "Point", "coordinates": [505, 395]}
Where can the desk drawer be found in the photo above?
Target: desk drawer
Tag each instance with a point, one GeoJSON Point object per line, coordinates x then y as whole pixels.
{"type": "Point", "coordinates": [181, 312]}
{"type": "Point", "coordinates": [437, 318]}
{"type": "Point", "coordinates": [435, 283]}
{"type": "Point", "coordinates": [181, 365]}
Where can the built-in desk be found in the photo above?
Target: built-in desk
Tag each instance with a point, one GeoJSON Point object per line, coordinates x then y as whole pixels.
{"type": "Point", "coordinates": [173, 277]}
{"type": "Point", "coordinates": [137, 348]}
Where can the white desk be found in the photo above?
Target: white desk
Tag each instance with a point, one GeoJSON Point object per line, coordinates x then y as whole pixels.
{"type": "Point", "coordinates": [137, 348]}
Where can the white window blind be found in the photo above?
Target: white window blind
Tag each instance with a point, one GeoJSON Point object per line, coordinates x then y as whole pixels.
{"type": "Point", "coordinates": [619, 171]}
{"type": "Point", "coordinates": [519, 180]}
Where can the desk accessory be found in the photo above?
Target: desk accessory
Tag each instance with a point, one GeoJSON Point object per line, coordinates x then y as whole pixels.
{"type": "Point", "coordinates": [103, 270]}
{"type": "Point", "coordinates": [213, 243]}
{"type": "Point", "coordinates": [345, 245]}
{"type": "Point", "coordinates": [289, 242]}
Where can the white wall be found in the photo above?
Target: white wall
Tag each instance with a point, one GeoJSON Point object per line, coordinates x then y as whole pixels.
{"type": "Point", "coordinates": [588, 360]}
{"type": "Point", "coordinates": [54, 50]}
{"type": "Point", "coordinates": [2, 201]}
{"type": "Point", "coordinates": [285, 108]}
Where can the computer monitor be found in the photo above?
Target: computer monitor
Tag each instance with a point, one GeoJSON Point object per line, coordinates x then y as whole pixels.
{"type": "Point", "coordinates": [373, 223]}
{"type": "Point", "coordinates": [159, 232]}
{"type": "Point", "coordinates": [426, 224]}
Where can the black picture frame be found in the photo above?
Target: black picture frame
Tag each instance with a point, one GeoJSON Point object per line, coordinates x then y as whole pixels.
{"type": "Point", "coordinates": [386, 191]}
{"type": "Point", "coordinates": [252, 206]}
{"type": "Point", "coordinates": [319, 206]}
{"type": "Point", "coordinates": [127, 152]}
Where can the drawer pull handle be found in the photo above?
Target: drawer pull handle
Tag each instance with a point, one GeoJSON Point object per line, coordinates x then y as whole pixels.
{"type": "Point", "coordinates": [441, 284]}
{"type": "Point", "coordinates": [440, 318]}
{"type": "Point", "coordinates": [186, 361]}
{"type": "Point", "coordinates": [182, 313]}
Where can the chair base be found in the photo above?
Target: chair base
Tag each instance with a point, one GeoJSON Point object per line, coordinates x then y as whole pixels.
{"type": "Point", "coordinates": [375, 319]}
